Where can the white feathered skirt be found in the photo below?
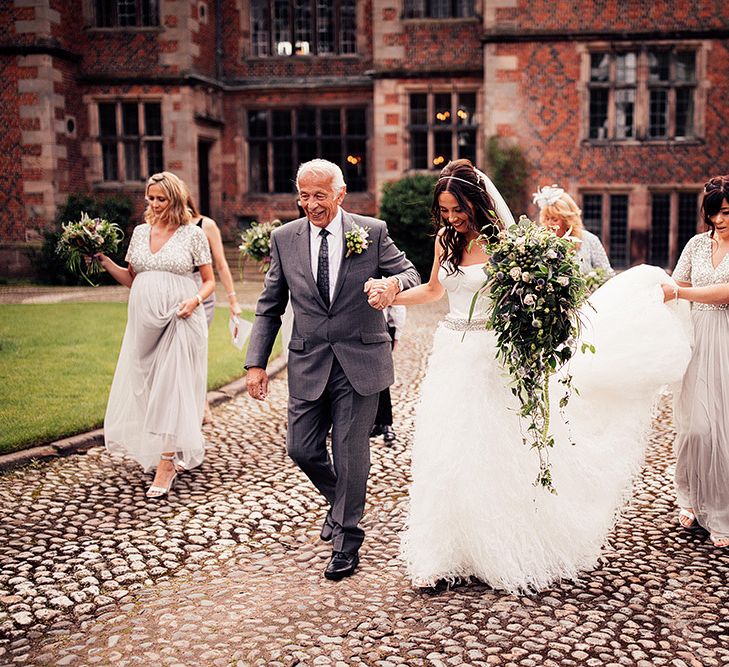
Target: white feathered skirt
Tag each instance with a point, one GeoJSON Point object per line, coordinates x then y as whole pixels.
{"type": "Point", "coordinates": [474, 509]}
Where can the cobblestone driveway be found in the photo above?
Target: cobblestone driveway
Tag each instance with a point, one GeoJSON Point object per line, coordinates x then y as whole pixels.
{"type": "Point", "coordinates": [228, 570]}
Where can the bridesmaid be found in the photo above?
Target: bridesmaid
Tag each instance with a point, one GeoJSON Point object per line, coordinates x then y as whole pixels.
{"type": "Point", "coordinates": [156, 400]}
{"type": "Point", "coordinates": [559, 212]}
{"type": "Point", "coordinates": [701, 412]}
{"type": "Point", "coordinates": [212, 232]}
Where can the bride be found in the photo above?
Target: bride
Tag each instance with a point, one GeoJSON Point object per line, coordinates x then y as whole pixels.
{"type": "Point", "coordinates": [474, 510]}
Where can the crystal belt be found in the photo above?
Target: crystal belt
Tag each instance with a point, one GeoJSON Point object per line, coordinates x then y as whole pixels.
{"type": "Point", "coordinates": [462, 324]}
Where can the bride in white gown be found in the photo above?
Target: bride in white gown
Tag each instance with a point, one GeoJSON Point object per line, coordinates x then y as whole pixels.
{"type": "Point", "coordinates": [474, 509]}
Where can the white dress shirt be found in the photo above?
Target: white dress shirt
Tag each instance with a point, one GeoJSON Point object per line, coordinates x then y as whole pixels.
{"type": "Point", "coordinates": [336, 249]}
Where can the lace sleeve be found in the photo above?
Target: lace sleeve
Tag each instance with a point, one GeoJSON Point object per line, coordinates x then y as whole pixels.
{"type": "Point", "coordinates": [200, 248]}
{"type": "Point", "coordinates": [682, 271]}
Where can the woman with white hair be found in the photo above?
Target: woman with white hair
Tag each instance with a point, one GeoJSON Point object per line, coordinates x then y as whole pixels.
{"type": "Point", "coordinates": [559, 212]}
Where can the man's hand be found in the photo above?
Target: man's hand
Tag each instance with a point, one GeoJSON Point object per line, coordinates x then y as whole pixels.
{"type": "Point", "coordinates": [381, 292]}
{"type": "Point", "coordinates": [257, 383]}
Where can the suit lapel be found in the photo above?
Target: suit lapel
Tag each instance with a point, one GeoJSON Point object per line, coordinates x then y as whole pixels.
{"type": "Point", "coordinates": [304, 248]}
{"type": "Point", "coordinates": [347, 222]}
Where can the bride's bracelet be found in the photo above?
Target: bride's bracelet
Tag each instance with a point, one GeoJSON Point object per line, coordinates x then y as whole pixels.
{"type": "Point", "coordinates": [675, 292]}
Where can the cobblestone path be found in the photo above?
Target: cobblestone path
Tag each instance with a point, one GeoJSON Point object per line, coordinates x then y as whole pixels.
{"type": "Point", "coordinates": [228, 570]}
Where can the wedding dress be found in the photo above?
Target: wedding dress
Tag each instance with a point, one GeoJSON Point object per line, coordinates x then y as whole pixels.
{"type": "Point", "coordinates": [474, 509]}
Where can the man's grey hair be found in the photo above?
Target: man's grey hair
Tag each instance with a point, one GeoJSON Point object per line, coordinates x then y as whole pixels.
{"type": "Point", "coordinates": [324, 169]}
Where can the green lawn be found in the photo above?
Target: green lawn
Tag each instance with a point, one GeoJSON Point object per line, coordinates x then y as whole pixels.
{"type": "Point", "coordinates": [57, 362]}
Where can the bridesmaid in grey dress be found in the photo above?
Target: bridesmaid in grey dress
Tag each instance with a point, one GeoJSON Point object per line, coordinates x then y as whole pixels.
{"type": "Point", "coordinates": [156, 400]}
{"type": "Point", "coordinates": [212, 233]}
{"type": "Point", "coordinates": [559, 212]}
{"type": "Point", "coordinates": [701, 407]}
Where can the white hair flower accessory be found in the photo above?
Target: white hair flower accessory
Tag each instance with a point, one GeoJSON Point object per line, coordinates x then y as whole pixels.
{"type": "Point", "coordinates": [547, 195]}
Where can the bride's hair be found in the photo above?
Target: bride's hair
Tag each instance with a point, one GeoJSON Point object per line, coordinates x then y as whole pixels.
{"type": "Point", "coordinates": [459, 178]}
{"type": "Point", "coordinates": [716, 191]}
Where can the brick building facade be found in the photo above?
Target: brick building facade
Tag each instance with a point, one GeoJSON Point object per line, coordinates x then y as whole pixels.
{"type": "Point", "coordinates": [622, 103]}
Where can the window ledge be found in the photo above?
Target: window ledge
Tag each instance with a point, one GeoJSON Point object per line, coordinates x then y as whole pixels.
{"type": "Point", "coordinates": [448, 19]}
{"type": "Point", "coordinates": [643, 142]}
{"type": "Point", "coordinates": [311, 56]}
{"type": "Point", "coordinates": [126, 28]}
{"type": "Point", "coordinates": [120, 185]}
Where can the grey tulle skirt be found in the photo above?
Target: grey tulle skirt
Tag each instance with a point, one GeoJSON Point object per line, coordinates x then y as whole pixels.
{"type": "Point", "coordinates": [701, 415]}
{"type": "Point", "coordinates": [157, 395]}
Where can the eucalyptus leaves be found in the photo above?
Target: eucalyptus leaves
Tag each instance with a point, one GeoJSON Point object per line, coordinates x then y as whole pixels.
{"type": "Point", "coordinates": [81, 240]}
{"type": "Point", "coordinates": [535, 289]}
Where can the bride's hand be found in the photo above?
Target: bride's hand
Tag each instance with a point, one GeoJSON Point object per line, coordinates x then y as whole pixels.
{"type": "Point", "coordinates": [669, 292]}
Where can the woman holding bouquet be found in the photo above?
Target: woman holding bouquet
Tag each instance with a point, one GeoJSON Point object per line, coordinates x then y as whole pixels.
{"type": "Point", "coordinates": [474, 508]}
{"type": "Point", "coordinates": [156, 400]}
{"type": "Point", "coordinates": [700, 408]}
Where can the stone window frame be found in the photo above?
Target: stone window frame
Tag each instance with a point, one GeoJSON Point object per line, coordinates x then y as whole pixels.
{"type": "Point", "coordinates": [92, 13]}
{"type": "Point", "coordinates": [349, 163]}
{"type": "Point", "coordinates": [263, 42]}
{"type": "Point", "coordinates": [431, 128]}
{"type": "Point", "coordinates": [605, 227]}
{"type": "Point", "coordinates": [642, 89]}
{"type": "Point", "coordinates": [682, 221]}
{"type": "Point", "coordinates": [425, 9]}
{"type": "Point", "coordinates": [122, 140]}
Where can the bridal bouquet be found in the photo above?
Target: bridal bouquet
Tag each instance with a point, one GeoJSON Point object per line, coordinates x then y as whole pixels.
{"type": "Point", "coordinates": [81, 240]}
{"type": "Point", "coordinates": [535, 286]}
{"type": "Point", "coordinates": [256, 243]}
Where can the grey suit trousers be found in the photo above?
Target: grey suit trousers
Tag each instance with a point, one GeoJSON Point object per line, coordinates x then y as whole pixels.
{"type": "Point", "coordinates": [341, 479]}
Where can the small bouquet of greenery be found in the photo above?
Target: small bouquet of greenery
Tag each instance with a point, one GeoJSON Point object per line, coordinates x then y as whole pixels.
{"type": "Point", "coordinates": [535, 289]}
{"type": "Point", "coordinates": [81, 240]}
{"type": "Point", "coordinates": [256, 243]}
{"type": "Point", "coordinates": [595, 278]}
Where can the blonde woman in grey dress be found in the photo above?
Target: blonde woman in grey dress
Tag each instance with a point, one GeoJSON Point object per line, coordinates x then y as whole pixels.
{"type": "Point", "coordinates": [701, 407]}
{"type": "Point", "coordinates": [559, 212]}
{"type": "Point", "coordinates": [156, 400]}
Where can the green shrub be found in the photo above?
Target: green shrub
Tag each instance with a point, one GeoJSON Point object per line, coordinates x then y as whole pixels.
{"type": "Point", "coordinates": [509, 170]}
{"type": "Point", "coordinates": [51, 268]}
{"type": "Point", "coordinates": [406, 209]}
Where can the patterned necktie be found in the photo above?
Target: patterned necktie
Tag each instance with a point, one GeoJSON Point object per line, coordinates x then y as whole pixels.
{"type": "Point", "coordinates": [322, 272]}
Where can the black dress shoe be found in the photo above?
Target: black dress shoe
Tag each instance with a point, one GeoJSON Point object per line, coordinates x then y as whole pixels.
{"type": "Point", "coordinates": [376, 430]}
{"type": "Point", "coordinates": [327, 530]}
{"type": "Point", "coordinates": [341, 565]}
{"type": "Point", "coordinates": [389, 434]}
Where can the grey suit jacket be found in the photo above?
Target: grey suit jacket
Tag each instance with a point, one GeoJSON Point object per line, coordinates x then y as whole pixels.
{"type": "Point", "coordinates": [350, 329]}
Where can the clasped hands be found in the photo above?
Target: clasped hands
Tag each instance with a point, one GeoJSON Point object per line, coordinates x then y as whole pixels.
{"type": "Point", "coordinates": [381, 292]}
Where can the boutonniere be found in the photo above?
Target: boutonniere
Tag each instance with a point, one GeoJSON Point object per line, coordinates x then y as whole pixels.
{"type": "Point", "coordinates": [357, 240]}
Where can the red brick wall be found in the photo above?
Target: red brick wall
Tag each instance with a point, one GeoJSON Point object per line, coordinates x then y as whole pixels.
{"type": "Point", "coordinates": [12, 201]}
{"type": "Point", "coordinates": [615, 15]}
{"type": "Point", "coordinates": [205, 38]}
{"type": "Point", "coordinates": [442, 45]}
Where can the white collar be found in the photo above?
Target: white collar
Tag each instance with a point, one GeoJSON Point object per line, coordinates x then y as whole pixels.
{"type": "Point", "coordinates": [334, 227]}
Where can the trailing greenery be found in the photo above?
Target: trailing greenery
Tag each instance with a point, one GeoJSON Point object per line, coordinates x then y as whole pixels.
{"type": "Point", "coordinates": [510, 171]}
{"type": "Point", "coordinates": [406, 209]}
{"type": "Point", "coordinates": [534, 289]}
{"type": "Point", "coordinates": [57, 362]}
{"type": "Point", "coordinates": [51, 267]}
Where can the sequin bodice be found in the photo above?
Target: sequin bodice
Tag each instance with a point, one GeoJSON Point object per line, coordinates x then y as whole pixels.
{"type": "Point", "coordinates": [185, 249]}
{"type": "Point", "coordinates": [695, 267]}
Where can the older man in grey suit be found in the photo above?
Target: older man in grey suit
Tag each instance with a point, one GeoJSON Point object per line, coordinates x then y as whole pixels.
{"type": "Point", "coordinates": [340, 350]}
